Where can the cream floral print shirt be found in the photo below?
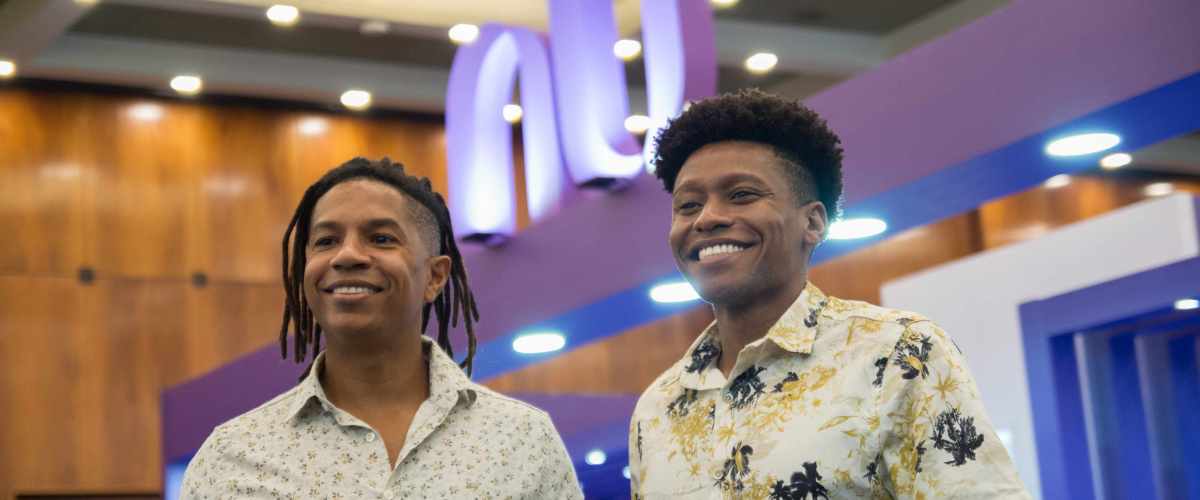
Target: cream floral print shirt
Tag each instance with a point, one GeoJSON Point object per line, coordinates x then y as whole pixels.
{"type": "Point", "coordinates": [466, 441]}
{"type": "Point", "coordinates": [840, 399]}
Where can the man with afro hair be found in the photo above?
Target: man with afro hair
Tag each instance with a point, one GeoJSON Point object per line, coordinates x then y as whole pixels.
{"type": "Point", "coordinates": [791, 393]}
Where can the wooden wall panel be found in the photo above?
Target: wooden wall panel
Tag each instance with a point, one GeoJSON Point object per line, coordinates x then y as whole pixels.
{"type": "Point", "coordinates": [202, 189]}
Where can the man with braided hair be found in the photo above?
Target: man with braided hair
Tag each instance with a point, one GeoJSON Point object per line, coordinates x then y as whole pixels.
{"type": "Point", "coordinates": [383, 411]}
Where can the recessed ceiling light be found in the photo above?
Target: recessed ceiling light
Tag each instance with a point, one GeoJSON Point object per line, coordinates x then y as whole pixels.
{"type": "Point", "coordinates": [357, 100]}
{"type": "Point", "coordinates": [1159, 189]}
{"type": "Point", "coordinates": [627, 49]}
{"type": "Point", "coordinates": [724, 4]}
{"type": "Point", "coordinates": [312, 126]}
{"type": "Point", "coordinates": [761, 62]}
{"type": "Point", "coordinates": [539, 342]}
{"type": "Point", "coordinates": [374, 27]}
{"type": "Point", "coordinates": [146, 112]}
{"type": "Point", "coordinates": [1187, 304]}
{"type": "Point", "coordinates": [637, 124]}
{"type": "Point", "coordinates": [464, 33]}
{"type": "Point", "coordinates": [596, 457]}
{"type": "Point", "coordinates": [87, 2]}
{"type": "Point", "coordinates": [1082, 144]}
{"type": "Point", "coordinates": [1057, 181]}
{"type": "Point", "coordinates": [625, 471]}
{"type": "Point", "coordinates": [283, 15]}
{"type": "Point", "coordinates": [8, 69]}
{"type": "Point", "coordinates": [512, 113]}
{"type": "Point", "coordinates": [849, 229]}
{"type": "Point", "coordinates": [1115, 161]}
{"type": "Point", "coordinates": [187, 84]}
{"type": "Point", "coordinates": [681, 291]}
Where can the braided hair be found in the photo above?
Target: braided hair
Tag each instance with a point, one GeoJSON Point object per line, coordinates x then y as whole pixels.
{"type": "Point", "coordinates": [433, 219]}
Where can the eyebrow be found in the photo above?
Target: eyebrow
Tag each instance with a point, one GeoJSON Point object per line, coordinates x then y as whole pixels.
{"type": "Point", "coordinates": [723, 181]}
{"type": "Point", "coordinates": [373, 223]}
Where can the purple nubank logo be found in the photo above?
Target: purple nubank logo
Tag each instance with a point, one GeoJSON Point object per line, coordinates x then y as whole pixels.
{"type": "Point", "coordinates": [575, 103]}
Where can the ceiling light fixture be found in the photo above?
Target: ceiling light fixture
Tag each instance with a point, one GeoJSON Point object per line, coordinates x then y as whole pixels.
{"type": "Point", "coordinates": [187, 84]}
{"type": "Point", "coordinates": [1057, 181]}
{"type": "Point", "coordinates": [680, 291]}
{"type": "Point", "coordinates": [724, 4]}
{"type": "Point", "coordinates": [1082, 144]}
{"type": "Point", "coordinates": [851, 229]}
{"type": "Point", "coordinates": [8, 69]}
{"type": "Point", "coordinates": [512, 113]}
{"type": "Point", "coordinates": [637, 124]}
{"type": "Point", "coordinates": [463, 34]}
{"type": "Point", "coordinates": [539, 342]}
{"type": "Point", "coordinates": [761, 62]}
{"type": "Point", "coordinates": [627, 49]}
{"type": "Point", "coordinates": [1115, 161]}
{"type": "Point", "coordinates": [283, 15]}
{"type": "Point", "coordinates": [355, 99]}
{"type": "Point", "coordinates": [1187, 304]}
{"type": "Point", "coordinates": [596, 457]}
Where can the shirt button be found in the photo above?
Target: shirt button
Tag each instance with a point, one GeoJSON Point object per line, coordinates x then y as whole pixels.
{"type": "Point", "coordinates": [371, 437]}
{"type": "Point", "coordinates": [389, 495]}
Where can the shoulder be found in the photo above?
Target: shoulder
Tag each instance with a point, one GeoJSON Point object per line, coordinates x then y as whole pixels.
{"type": "Point", "coordinates": [508, 408]}
{"type": "Point", "coordinates": [265, 416]}
{"type": "Point", "coordinates": [891, 323]}
{"type": "Point", "coordinates": [655, 398]}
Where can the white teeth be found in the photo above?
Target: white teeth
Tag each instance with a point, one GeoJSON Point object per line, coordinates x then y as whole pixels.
{"type": "Point", "coordinates": [719, 250]}
{"type": "Point", "coordinates": [351, 289]}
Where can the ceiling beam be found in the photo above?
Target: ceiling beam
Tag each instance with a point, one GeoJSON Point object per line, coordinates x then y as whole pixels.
{"type": "Point", "coordinates": [29, 26]}
{"type": "Point", "coordinates": [241, 72]}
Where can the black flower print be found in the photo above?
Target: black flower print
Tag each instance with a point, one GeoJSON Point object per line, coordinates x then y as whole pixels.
{"type": "Point", "coordinates": [956, 435]}
{"type": "Point", "coordinates": [682, 404]}
{"type": "Point", "coordinates": [747, 387]}
{"type": "Point", "coordinates": [736, 468]}
{"type": "Point", "coordinates": [811, 320]}
{"type": "Point", "coordinates": [911, 357]}
{"type": "Point", "coordinates": [880, 365]}
{"type": "Point", "coordinates": [872, 474]}
{"type": "Point", "coordinates": [639, 440]}
{"type": "Point", "coordinates": [791, 377]}
{"type": "Point", "coordinates": [920, 455]}
{"type": "Point", "coordinates": [703, 355]}
{"type": "Point", "coordinates": [804, 485]}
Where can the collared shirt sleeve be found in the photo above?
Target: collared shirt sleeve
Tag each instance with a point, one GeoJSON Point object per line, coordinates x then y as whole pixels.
{"type": "Point", "coordinates": [941, 444]}
{"type": "Point", "coordinates": [635, 458]}
{"type": "Point", "coordinates": [200, 480]}
{"type": "Point", "coordinates": [556, 469]}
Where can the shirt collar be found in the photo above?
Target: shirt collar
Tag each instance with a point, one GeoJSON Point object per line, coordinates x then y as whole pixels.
{"type": "Point", "coordinates": [448, 384]}
{"type": "Point", "coordinates": [795, 332]}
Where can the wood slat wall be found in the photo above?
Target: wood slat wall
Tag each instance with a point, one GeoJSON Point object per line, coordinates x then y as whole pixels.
{"type": "Point", "coordinates": [145, 204]}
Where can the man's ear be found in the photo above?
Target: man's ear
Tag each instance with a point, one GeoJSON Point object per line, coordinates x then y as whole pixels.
{"type": "Point", "coordinates": [816, 223]}
{"type": "Point", "coordinates": [439, 273]}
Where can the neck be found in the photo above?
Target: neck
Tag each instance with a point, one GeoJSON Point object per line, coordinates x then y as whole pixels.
{"type": "Point", "coordinates": [742, 324]}
{"type": "Point", "coordinates": [359, 374]}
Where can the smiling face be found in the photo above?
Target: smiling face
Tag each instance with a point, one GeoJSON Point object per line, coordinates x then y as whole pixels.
{"type": "Point", "coordinates": [368, 269]}
{"type": "Point", "coordinates": [738, 232]}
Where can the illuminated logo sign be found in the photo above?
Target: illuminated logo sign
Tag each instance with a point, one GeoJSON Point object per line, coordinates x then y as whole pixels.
{"type": "Point", "coordinates": [575, 103]}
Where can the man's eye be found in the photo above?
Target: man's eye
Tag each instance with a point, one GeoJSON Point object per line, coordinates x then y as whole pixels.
{"type": "Point", "coordinates": [323, 242]}
{"type": "Point", "coordinates": [742, 194]}
{"type": "Point", "coordinates": [686, 206]}
{"type": "Point", "coordinates": [383, 239]}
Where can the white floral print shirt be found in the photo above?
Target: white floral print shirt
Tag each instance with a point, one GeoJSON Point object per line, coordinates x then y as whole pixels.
{"type": "Point", "coordinates": [840, 399]}
{"type": "Point", "coordinates": [465, 441]}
